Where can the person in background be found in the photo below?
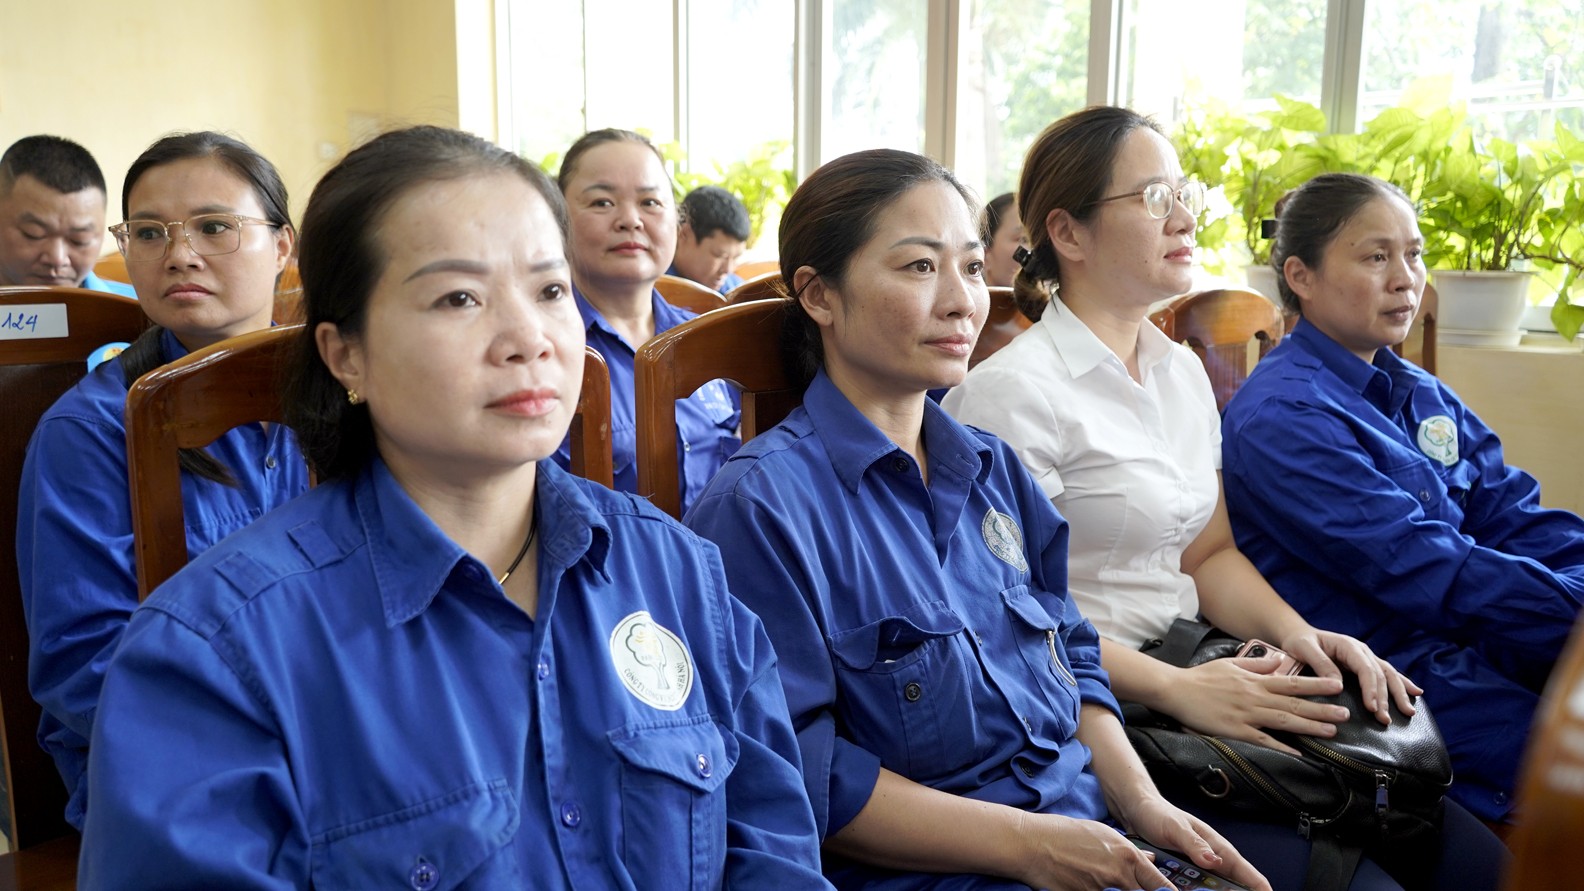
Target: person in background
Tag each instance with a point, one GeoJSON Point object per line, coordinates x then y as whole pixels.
{"type": "Point", "coordinates": [956, 727]}
{"type": "Point", "coordinates": [1119, 426]}
{"type": "Point", "coordinates": [52, 216]}
{"type": "Point", "coordinates": [1379, 505]}
{"type": "Point", "coordinates": [451, 664]}
{"type": "Point", "coordinates": [714, 234]}
{"type": "Point", "coordinates": [624, 230]}
{"type": "Point", "coordinates": [1002, 233]}
{"type": "Point", "coordinates": [205, 237]}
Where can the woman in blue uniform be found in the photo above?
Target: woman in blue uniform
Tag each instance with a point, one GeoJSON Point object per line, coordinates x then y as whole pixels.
{"type": "Point", "coordinates": [206, 235]}
{"type": "Point", "coordinates": [624, 231]}
{"type": "Point", "coordinates": [451, 664]}
{"type": "Point", "coordinates": [1380, 506]}
{"type": "Point", "coordinates": [957, 730]}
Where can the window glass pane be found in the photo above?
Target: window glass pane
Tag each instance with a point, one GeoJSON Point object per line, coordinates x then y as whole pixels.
{"type": "Point", "coordinates": [629, 66]}
{"type": "Point", "coordinates": [546, 79]}
{"type": "Point", "coordinates": [1520, 67]}
{"type": "Point", "coordinates": [739, 78]}
{"type": "Point", "coordinates": [1239, 52]}
{"type": "Point", "coordinates": [873, 76]}
{"type": "Point", "coordinates": [1024, 64]}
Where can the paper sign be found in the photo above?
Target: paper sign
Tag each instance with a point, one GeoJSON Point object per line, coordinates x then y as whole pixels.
{"type": "Point", "coordinates": [33, 321]}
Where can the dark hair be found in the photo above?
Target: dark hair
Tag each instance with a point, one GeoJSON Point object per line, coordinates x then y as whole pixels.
{"type": "Point", "coordinates": [342, 259]}
{"type": "Point", "coordinates": [1067, 168]}
{"type": "Point", "coordinates": [59, 163]}
{"type": "Point", "coordinates": [1309, 217]}
{"type": "Point", "coordinates": [711, 209]}
{"type": "Point", "coordinates": [830, 217]}
{"type": "Point", "coordinates": [144, 355]}
{"type": "Point", "coordinates": [595, 138]}
{"type": "Point", "coordinates": [990, 220]}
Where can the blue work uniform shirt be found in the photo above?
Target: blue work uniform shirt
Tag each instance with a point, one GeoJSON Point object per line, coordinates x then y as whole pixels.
{"type": "Point", "coordinates": [341, 697]}
{"type": "Point", "coordinates": [926, 630]}
{"type": "Point", "coordinates": [706, 421]}
{"type": "Point", "coordinates": [94, 283]}
{"type": "Point", "coordinates": [1381, 507]}
{"type": "Point", "coordinates": [74, 542]}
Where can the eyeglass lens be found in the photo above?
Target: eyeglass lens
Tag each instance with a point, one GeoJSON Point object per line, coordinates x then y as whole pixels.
{"type": "Point", "coordinates": [207, 234]}
{"type": "Point", "coordinates": [1158, 199]}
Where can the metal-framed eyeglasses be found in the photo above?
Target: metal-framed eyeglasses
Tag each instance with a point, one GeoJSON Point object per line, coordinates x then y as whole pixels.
{"type": "Point", "coordinates": [1159, 196]}
{"type": "Point", "coordinates": [208, 234]}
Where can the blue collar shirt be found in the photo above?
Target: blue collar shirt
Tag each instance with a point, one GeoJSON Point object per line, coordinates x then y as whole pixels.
{"type": "Point", "coordinates": [74, 543]}
{"type": "Point", "coordinates": [94, 283]}
{"type": "Point", "coordinates": [341, 697]}
{"type": "Point", "coordinates": [706, 421]}
{"type": "Point", "coordinates": [1381, 507]}
{"type": "Point", "coordinates": [924, 629]}
{"type": "Point", "coordinates": [731, 280]}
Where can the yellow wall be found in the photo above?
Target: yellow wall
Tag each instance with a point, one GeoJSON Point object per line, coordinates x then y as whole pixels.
{"type": "Point", "coordinates": [300, 80]}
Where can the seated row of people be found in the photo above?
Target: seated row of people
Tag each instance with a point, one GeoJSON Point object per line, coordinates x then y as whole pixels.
{"type": "Point", "coordinates": [434, 458]}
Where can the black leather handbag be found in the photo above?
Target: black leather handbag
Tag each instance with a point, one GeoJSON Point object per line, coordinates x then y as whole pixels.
{"type": "Point", "coordinates": [1371, 786]}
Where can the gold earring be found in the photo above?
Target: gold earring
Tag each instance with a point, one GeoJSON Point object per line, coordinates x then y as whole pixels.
{"type": "Point", "coordinates": [352, 397]}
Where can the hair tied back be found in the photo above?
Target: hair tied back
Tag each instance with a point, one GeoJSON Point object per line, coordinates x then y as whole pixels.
{"type": "Point", "coordinates": [1021, 256]}
{"type": "Point", "coordinates": [1268, 228]}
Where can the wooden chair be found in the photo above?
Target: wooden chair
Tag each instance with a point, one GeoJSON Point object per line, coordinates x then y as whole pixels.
{"type": "Point", "coordinates": [193, 401]}
{"type": "Point", "coordinates": [689, 294]}
{"type": "Point", "coordinates": [288, 297]}
{"type": "Point", "coordinates": [33, 374]}
{"type": "Point", "coordinates": [766, 286]}
{"type": "Point", "coordinates": [1547, 837]}
{"type": "Point", "coordinates": [1003, 323]}
{"type": "Point", "coordinates": [1420, 345]}
{"type": "Point", "coordinates": [756, 268]}
{"type": "Point", "coordinates": [740, 344]}
{"type": "Point", "coordinates": [1230, 329]}
{"type": "Point", "coordinates": [112, 267]}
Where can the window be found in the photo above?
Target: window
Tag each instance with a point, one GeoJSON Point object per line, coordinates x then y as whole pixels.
{"type": "Point", "coordinates": [739, 79]}
{"type": "Point", "coordinates": [873, 76]}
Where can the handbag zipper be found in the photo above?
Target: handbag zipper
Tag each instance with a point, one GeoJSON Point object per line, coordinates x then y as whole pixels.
{"type": "Point", "coordinates": [1050, 639]}
{"type": "Point", "coordinates": [1383, 779]}
{"type": "Point", "coordinates": [1249, 771]}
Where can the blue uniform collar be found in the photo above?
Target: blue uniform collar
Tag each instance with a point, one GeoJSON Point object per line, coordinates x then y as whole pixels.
{"type": "Point", "coordinates": [854, 443]}
{"type": "Point", "coordinates": [1386, 383]}
{"type": "Point", "coordinates": [666, 316]}
{"type": "Point", "coordinates": [412, 558]}
{"type": "Point", "coordinates": [1083, 351]}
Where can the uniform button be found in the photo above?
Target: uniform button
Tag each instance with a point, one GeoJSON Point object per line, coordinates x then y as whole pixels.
{"type": "Point", "coordinates": [423, 876]}
{"type": "Point", "coordinates": [1424, 495]}
{"type": "Point", "coordinates": [980, 640]}
{"type": "Point", "coordinates": [1027, 724]}
{"type": "Point", "coordinates": [899, 464]}
{"type": "Point", "coordinates": [544, 669]}
{"type": "Point", "coordinates": [1028, 769]}
{"type": "Point", "coordinates": [687, 446]}
{"type": "Point", "coordinates": [269, 462]}
{"type": "Point", "coordinates": [1501, 798]}
{"type": "Point", "coordinates": [571, 815]}
{"type": "Point", "coordinates": [913, 691]}
{"type": "Point", "coordinates": [703, 766]}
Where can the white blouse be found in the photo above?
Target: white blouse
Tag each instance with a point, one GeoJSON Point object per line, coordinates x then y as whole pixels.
{"type": "Point", "coordinates": [1131, 466]}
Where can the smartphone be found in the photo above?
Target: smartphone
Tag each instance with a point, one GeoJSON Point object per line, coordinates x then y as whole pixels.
{"type": "Point", "coordinates": [1285, 663]}
{"type": "Point", "coordinates": [1180, 872]}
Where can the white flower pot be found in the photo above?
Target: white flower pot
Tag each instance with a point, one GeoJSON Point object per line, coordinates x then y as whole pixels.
{"type": "Point", "coordinates": [1481, 308]}
{"type": "Point", "coordinates": [1262, 278]}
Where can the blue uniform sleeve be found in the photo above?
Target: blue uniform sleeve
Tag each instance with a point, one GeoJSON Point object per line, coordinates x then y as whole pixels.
{"type": "Point", "coordinates": [1299, 473]}
{"type": "Point", "coordinates": [74, 562]}
{"type": "Point", "coordinates": [191, 786]}
{"type": "Point", "coordinates": [769, 842]}
{"type": "Point", "coordinates": [1503, 511]}
{"type": "Point", "coordinates": [768, 574]}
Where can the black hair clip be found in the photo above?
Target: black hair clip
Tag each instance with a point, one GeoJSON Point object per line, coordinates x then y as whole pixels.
{"type": "Point", "coordinates": [1021, 256]}
{"type": "Point", "coordinates": [1268, 228]}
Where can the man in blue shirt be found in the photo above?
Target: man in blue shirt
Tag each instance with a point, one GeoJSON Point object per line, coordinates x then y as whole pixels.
{"type": "Point", "coordinates": [52, 216]}
{"type": "Point", "coordinates": [1381, 507]}
{"type": "Point", "coordinates": [713, 235]}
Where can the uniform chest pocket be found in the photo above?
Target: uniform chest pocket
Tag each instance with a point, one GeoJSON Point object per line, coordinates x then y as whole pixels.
{"type": "Point", "coordinates": [910, 688]}
{"type": "Point", "coordinates": [453, 841]}
{"type": "Point", "coordinates": [673, 801]}
{"type": "Point", "coordinates": [1040, 645]}
{"type": "Point", "coordinates": [1440, 494]}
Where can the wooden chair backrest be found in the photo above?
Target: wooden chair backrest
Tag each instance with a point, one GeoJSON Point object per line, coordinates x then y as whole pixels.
{"type": "Point", "coordinates": [112, 267]}
{"type": "Point", "coordinates": [689, 294]}
{"type": "Point", "coordinates": [33, 375]}
{"type": "Point", "coordinates": [1230, 329]}
{"type": "Point", "coordinates": [766, 286]}
{"type": "Point", "coordinates": [1002, 323]}
{"type": "Point", "coordinates": [1420, 345]}
{"type": "Point", "coordinates": [193, 401]}
{"type": "Point", "coordinates": [740, 344]}
{"type": "Point", "coordinates": [756, 268]}
{"type": "Point", "coordinates": [1545, 842]}
{"type": "Point", "coordinates": [288, 297]}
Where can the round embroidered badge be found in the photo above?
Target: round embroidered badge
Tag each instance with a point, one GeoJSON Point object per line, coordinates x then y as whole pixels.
{"type": "Point", "coordinates": [1004, 539]}
{"type": "Point", "coordinates": [1438, 439]}
{"type": "Point", "coordinates": [652, 662]}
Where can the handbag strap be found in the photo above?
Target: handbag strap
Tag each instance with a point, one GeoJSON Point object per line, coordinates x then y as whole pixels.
{"type": "Point", "coordinates": [1331, 863]}
{"type": "Point", "coordinates": [1182, 641]}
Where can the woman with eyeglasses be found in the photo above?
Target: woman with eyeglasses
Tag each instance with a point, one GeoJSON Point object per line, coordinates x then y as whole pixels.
{"type": "Point", "coordinates": [205, 236]}
{"type": "Point", "coordinates": [1119, 426]}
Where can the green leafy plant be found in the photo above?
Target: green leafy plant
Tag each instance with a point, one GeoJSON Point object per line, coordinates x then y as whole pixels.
{"type": "Point", "coordinates": [764, 180]}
